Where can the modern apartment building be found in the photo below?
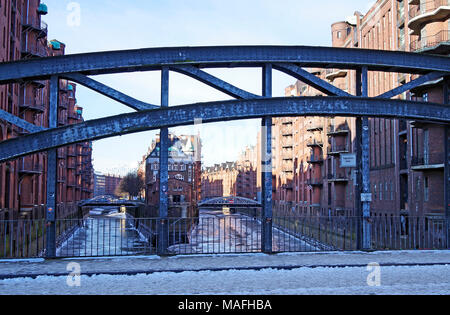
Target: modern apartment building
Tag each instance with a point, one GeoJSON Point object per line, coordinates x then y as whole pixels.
{"type": "Point", "coordinates": [23, 181]}
{"type": "Point", "coordinates": [406, 157]}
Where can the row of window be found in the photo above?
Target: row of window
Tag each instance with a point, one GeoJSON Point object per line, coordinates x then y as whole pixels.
{"type": "Point", "coordinates": [383, 191]}
{"type": "Point", "coordinates": [172, 167]}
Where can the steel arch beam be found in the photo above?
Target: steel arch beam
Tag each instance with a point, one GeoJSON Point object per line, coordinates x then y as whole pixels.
{"type": "Point", "coordinates": [214, 82]}
{"type": "Point", "coordinates": [109, 92]}
{"type": "Point", "coordinates": [412, 84]}
{"type": "Point", "coordinates": [19, 122]}
{"type": "Point", "coordinates": [221, 56]}
{"type": "Point", "coordinates": [220, 111]}
{"type": "Point", "coordinates": [310, 79]}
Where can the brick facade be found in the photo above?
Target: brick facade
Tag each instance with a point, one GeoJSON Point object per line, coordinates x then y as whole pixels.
{"type": "Point", "coordinates": [23, 181]}
{"type": "Point", "coordinates": [184, 171]}
{"type": "Point", "coordinates": [406, 157]}
{"type": "Point", "coordinates": [232, 178]}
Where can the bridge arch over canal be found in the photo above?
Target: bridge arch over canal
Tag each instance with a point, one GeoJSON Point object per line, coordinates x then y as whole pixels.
{"type": "Point", "coordinates": [191, 61]}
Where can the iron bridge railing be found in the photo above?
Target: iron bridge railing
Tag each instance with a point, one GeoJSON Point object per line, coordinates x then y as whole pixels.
{"type": "Point", "coordinates": [217, 234]}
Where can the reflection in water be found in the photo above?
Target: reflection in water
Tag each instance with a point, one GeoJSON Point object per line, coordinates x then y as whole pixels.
{"type": "Point", "coordinates": [111, 235]}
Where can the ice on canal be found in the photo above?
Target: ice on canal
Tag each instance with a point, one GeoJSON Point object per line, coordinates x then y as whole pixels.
{"type": "Point", "coordinates": [105, 235]}
{"type": "Point", "coordinates": [218, 232]}
{"type": "Point", "coordinates": [114, 234]}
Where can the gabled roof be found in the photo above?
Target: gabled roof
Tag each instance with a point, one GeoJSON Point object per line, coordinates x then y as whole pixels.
{"type": "Point", "coordinates": [179, 147]}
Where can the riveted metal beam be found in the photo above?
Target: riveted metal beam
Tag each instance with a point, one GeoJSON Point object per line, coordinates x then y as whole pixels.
{"type": "Point", "coordinates": [163, 229]}
{"type": "Point", "coordinates": [52, 172]}
{"type": "Point", "coordinates": [221, 56]}
{"type": "Point", "coordinates": [446, 101]}
{"type": "Point", "coordinates": [109, 92]}
{"type": "Point", "coordinates": [266, 166]}
{"type": "Point", "coordinates": [214, 82]}
{"type": "Point", "coordinates": [310, 79]}
{"type": "Point", "coordinates": [19, 122]}
{"type": "Point", "coordinates": [221, 111]}
{"type": "Point", "coordinates": [365, 167]}
{"type": "Point", "coordinates": [412, 84]}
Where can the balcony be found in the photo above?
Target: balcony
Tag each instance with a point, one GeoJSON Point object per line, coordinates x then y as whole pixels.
{"type": "Point", "coordinates": [315, 182]}
{"type": "Point", "coordinates": [287, 143]}
{"type": "Point", "coordinates": [436, 44]}
{"type": "Point", "coordinates": [287, 168]}
{"type": "Point", "coordinates": [71, 184]}
{"type": "Point", "coordinates": [35, 24]}
{"type": "Point", "coordinates": [338, 178]}
{"type": "Point", "coordinates": [315, 160]}
{"type": "Point", "coordinates": [314, 127]}
{"type": "Point", "coordinates": [314, 143]}
{"type": "Point", "coordinates": [337, 131]}
{"type": "Point", "coordinates": [421, 164]}
{"type": "Point", "coordinates": [71, 153]}
{"type": "Point", "coordinates": [74, 115]}
{"type": "Point", "coordinates": [331, 75]}
{"type": "Point", "coordinates": [428, 12]}
{"type": "Point", "coordinates": [286, 131]}
{"type": "Point", "coordinates": [31, 104]}
{"type": "Point", "coordinates": [32, 49]}
{"type": "Point", "coordinates": [337, 149]}
{"type": "Point", "coordinates": [28, 167]}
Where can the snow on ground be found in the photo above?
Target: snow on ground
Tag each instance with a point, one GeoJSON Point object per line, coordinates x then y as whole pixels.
{"type": "Point", "coordinates": [346, 280]}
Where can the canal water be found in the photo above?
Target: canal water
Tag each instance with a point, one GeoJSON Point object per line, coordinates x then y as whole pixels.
{"type": "Point", "coordinates": [105, 235]}
{"type": "Point", "coordinates": [224, 232]}
{"type": "Point", "coordinates": [216, 233]}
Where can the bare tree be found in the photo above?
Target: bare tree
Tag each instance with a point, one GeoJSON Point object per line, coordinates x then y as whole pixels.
{"type": "Point", "coordinates": [132, 184]}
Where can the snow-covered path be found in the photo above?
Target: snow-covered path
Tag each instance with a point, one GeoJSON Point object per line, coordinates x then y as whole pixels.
{"type": "Point", "coordinates": [349, 280]}
{"type": "Point", "coordinates": [406, 272]}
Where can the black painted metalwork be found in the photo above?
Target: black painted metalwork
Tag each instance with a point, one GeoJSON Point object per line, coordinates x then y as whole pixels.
{"type": "Point", "coordinates": [52, 171]}
{"type": "Point", "coordinates": [163, 168]}
{"type": "Point", "coordinates": [219, 57]}
{"type": "Point", "coordinates": [108, 91]}
{"type": "Point", "coordinates": [190, 61]}
{"type": "Point", "coordinates": [266, 166]}
{"type": "Point", "coordinates": [220, 111]}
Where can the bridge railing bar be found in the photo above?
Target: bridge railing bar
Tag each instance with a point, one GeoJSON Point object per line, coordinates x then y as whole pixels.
{"type": "Point", "coordinates": [100, 237]}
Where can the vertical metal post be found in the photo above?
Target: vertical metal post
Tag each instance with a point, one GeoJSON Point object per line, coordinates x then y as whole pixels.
{"type": "Point", "coordinates": [163, 170]}
{"type": "Point", "coordinates": [363, 196]}
{"type": "Point", "coordinates": [52, 172]}
{"type": "Point", "coordinates": [446, 100]}
{"type": "Point", "coordinates": [266, 166]}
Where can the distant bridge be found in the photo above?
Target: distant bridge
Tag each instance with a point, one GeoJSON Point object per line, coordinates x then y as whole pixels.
{"type": "Point", "coordinates": [230, 201]}
{"type": "Point", "coordinates": [94, 203]}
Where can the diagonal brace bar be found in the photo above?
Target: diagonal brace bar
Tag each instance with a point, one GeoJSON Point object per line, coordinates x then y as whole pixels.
{"type": "Point", "coordinates": [310, 79]}
{"type": "Point", "coordinates": [109, 92]}
{"type": "Point", "coordinates": [412, 84]}
{"type": "Point", "coordinates": [214, 82]}
{"type": "Point", "coordinates": [19, 122]}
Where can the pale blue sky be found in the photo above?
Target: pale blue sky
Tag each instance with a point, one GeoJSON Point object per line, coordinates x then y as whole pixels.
{"type": "Point", "coordinates": [113, 25]}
